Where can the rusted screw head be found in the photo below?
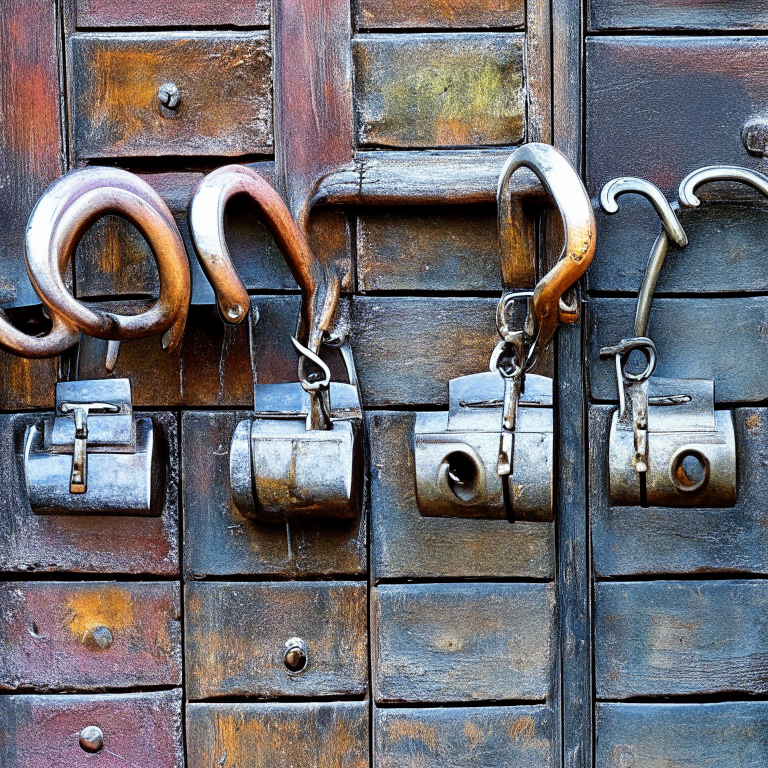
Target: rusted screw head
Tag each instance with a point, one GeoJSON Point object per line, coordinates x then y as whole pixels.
{"type": "Point", "coordinates": [91, 738]}
{"type": "Point", "coordinates": [98, 639]}
{"type": "Point", "coordinates": [169, 95]}
{"type": "Point", "coordinates": [295, 657]}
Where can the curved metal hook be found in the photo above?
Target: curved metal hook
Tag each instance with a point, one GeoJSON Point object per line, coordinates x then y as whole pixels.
{"type": "Point", "coordinates": [563, 183]}
{"type": "Point", "coordinates": [696, 179]}
{"type": "Point", "coordinates": [65, 212]}
{"type": "Point", "coordinates": [206, 223]}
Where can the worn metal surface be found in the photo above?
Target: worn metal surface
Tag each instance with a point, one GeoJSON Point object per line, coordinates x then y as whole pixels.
{"type": "Point", "coordinates": [462, 642]}
{"type": "Point", "coordinates": [61, 636]}
{"type": "Point", "coordinates": [674, 15]}
{"type": "Point", "coordinates": [138, 729]}
{"type": "Point", "coordinates": [439, 14]}
{"type": "Point", "coordinates": [103, 14]}
{"type": "Point", "coordinates": [224, 80]}
{"type": "Point", "coordinates": [236, 635]}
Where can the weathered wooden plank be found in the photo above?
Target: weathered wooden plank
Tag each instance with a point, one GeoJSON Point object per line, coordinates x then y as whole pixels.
{"type": "Point", "coordinates": [89, 543]}
{"type": "Point", "coordinates": [406, 349]}
{"type": "Point", "coordinates": [406, 545]}
{"type": "Point", "coordinates": [439, 14]}
{"type": "Point", "coordinates": [429, 249]}
{"type": "Point", "coordinates": [660, 107]}
{"type": "Point", "coordinates": [685, 332]}
{"type": "Point", "coordinates": [666, 638]}
{"type": "Point", "coordinates": [30, 146]}
{"type": "Point", "coordinates": [223, 80]}
{"type": "Point", "coordinates": [440, 90]}
{"type": "Point", "coordinates": [57, 636]}
{"type": "Point", "coordinates": [171, 13]}
{"type": "Point", "coordinates": [437, 643]}
{"type": "Point", "coordinates": [235, 637]}
{"type": "Point", "coordinates": [665, 735]}
{"type": "Point", "coordinates": [333, 735]}
{"type": "Point", "coordinates": [138, 729]}
{"type": "Point", "coordinates": [219, 541]}
{"type": "Point", "coordinates": [494, 737]}
{"type": "Point", "coordinates": [655, 540]}
{"type": "Point", "coordinates": [538, 44]}
{"type": "Point", "coordinates": [707, 15]}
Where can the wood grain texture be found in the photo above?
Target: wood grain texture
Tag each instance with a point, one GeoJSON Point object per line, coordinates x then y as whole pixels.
{"type": "Point", "coordinates": [405, 545]}
{"type": "Point", "coordinates": [436, 643]}
{"type": "Point", "coordinates": [684, 331]}
{"type": "Point", "coordinates": [439, 14]}
{"type": "Point", "coordinates": [139, 729]}
{"type": "Point", "coordinates": [30, 146]}
{"type": "Point", "coordinates": [667, 638]}
{"type": "Point", "coordinates": [223, 79]}
{"type": "Point", "coordinates": [333, 735]}
{"type": "Point", "coordinates": [219, 541]}
{"type": "Point", "coordinates": [494, 737]}
{"type": "Point", "coordinates": [660, 107]}
{"type": "Point", "coordinates": [28, 383]}
{"type": "Point", "coordinates": [705, 15]}
{"type": "Point", "coordinates": [439, 90]}
{"type": "Point", "coordinates": [657, 540]}
{"type": "Point", "coordinates": [672, 735]}
{"type": "Point", "coordinates": [89, 543]}
{"type": "Point", "coordinates": [47, 639]}
{"type": "Point", "coordinates": [538, 44]}
{"type": "Point", "coordinates": [170, 13]}
{"type": "Point", "coordinates": [235, 637]}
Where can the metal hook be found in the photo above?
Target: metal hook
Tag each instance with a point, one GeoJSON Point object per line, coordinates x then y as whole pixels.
{"type": "Point", "coordinates": [710, 173]}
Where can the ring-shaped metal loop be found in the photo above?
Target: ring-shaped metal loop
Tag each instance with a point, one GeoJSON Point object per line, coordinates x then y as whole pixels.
{"type": "Point", "coordinates": [563, 183]}
{"type": "Point", "coordinates": [502, 308]}
{"type": "Point", "coordinates": [648, 350]}
{"type": "Point", "coordinates": [61, 217]}
{"type": "Point", "coordinates": [61, 337]}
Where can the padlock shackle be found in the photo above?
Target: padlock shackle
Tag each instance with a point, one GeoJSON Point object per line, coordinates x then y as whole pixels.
{"type": "Point", "coordinates": [206, 223]}
{"type": "Point", "coordinates": [63, 214]}
{"type": "Point", "coordinates": [562, 182]}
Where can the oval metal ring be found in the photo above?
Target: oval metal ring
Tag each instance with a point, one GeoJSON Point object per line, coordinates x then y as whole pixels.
{"type": "Point", "coordinates": [563, 183]}
{"type": "Point", "coordinates": [61, 217]}
{"type": "Point", "coordinates": [61, 337]}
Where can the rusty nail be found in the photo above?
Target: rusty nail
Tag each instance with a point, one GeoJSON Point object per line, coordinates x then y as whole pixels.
{"type": "Point", "coordinates": [98, 638]}
{"type": "Point", "coordinates": [295, 657]}
{"type": "Point", "coordinates": [91, 738]}
{"type": "Point", "coordinates": [169, 95]}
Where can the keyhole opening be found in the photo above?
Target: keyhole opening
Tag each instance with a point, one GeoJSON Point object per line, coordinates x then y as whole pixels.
{"type": "Point", "coordinates": [461, 473]}
{"type": "Point", "coordinates": [689, 470]}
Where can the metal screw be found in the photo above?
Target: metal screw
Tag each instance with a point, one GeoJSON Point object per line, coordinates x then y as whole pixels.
{"type": "Point", "coordinates": [98, 638]}
{"type": "Point", "coordinates": [234, 311]}
{"type": "Point", "coordinates": [169, 95]}
{"type": "Point", "coordinates": [295, 657]}
{"type": "Point", "coordinates": [91, 739]}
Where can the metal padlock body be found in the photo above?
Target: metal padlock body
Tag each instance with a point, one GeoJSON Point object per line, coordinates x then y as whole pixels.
{"type": "Point", "coordinates": [124, 473]}
{"type": "Point", "coordinates": [682, 421]}
{"type": "Point", "coordinates": [279, 468]}
{"type": "Point", "coordinates": [468, 436]}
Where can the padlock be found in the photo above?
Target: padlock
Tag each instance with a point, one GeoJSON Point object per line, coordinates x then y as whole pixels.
{"type": "Point", "coordinates": [301, 452]}
{"type": "Point", "coordinates": [91, 456]}
{"type": "Point", "coordinates": [491, 455]}
{"type": "Point", "coordinates": [668, 447]}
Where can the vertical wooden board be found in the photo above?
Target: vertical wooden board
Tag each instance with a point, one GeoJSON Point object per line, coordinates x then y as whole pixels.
{"type": "Point", "coordinates": [57, 636]}
{"type": "Point", "coordinates": [405, 545]}
{"type": "Point", "coordinates": [30, 145]}
{"type": "Point", "coordinates": [492, 737]}
{"type": "Point", "coordinates": [664, 735]}
{"type": "Point", "coordinates": [219, 541]}
{"type": "Point", "coordinates": [706, 15]}
{"type": "Point", "coordinates": [440, 90]}
{"type": "Point", "coordinates": [170, 13]}
{"type": "Point", "coordinates": [429, 249]}
{"type": "Point", "coordinates": [668, 638]}
{"type": "Point", "coordinates": [630, 541]}
{"type": "Point", "coordinates": [235, 637]}
{"type": "Point", "coordinates": [86, 543]}
{"type": "Point", "coordinates": [224, 80]}
{"type": "Point", "coordinates": [333, 735]}
{"type": "Point", "coordinates": [27, 383]}
{"type": "Point", "coordinates": [659, 108]}
{"type": "Point", "coordinates": [439, 14]}
{"type": "Point", "coordinates": [685, 332]}
{"type": "Point", "coordinates": [140, 729]}
{"type": "Point", "coordinates": [407, 349]}
{"type": "Point", "coordinates": [437, 643]}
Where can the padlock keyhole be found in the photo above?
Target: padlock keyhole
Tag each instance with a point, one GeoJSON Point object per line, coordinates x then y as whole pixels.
{"type": "Point", "coordinates": [689, 470]}
{"type": "Point", "coordinates": [462, 475]}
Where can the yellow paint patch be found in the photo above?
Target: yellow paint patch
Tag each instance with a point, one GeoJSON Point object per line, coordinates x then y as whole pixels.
{"type": "Point", "coordinates": [110, 607]}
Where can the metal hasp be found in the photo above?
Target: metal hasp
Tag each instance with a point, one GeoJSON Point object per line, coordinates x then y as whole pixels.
{"type": "Point", "coordinates": [92, 456]}
{"type": "Point", "coordinates": [301, 452]}
{"type": "Point", "coordinates": [668, 446]}
{"type": "Point", "coordinates": [491, 455]}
